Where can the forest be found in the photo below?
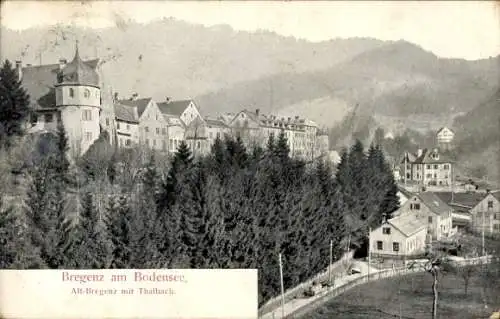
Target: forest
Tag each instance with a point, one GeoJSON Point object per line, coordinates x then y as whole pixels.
{"type": "Point", "coordinates": [131, 208]}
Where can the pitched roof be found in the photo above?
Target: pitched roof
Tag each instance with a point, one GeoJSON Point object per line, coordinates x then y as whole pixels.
{"type": "Point", "coordinates": [444, 127]}
{"type": "Point", "coordinates": [496, 194]}
{"type": "Point", "coordinates": [410, 158]}
{"type": "Point", "coordinates": [469, 199]}
{"type": "Point", "coordinates": [39, 82]}
{"type": "Point", "coordinates": [407, 224]}
{"type": "Point", "coordinates": [426, 157]}
{"type": "Point", "coordinates": [140, 104]}
{"type": "Point", "coordinates": [174, 107]}
{"type": "Point", "coordinates": [434, 203]}
{"type": "Point", "coordinates": [405, 192]}
{"type": "Point", "coordinates": [125, 113]}
{"type": "Point", "coordinates": [212, 122]}
{"type": "Point", "coordinates": [77, 71]}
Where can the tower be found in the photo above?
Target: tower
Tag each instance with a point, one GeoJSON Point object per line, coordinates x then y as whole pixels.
{"type": "Point", "coordinates": [78, 97]}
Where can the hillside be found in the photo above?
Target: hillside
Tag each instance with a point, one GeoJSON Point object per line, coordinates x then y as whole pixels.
{"type": "Point", "coordinates": [177, 59]}
{"type": "Point", "coordinates": [397, 80]}
{"type": "Point", "coordinates": [478, 138]}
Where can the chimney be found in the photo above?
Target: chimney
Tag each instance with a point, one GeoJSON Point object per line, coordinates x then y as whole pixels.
{"type": "Point", "coordinates": [167, 99]}
{"type": "Point", "coordinates": [19, 69]}
{"type": "Point", "coordinates": [134, 97]}
{"type": "Point", "coordinates": [419, 152]}
{"type": "Point", "coordinates": [62, 63]}
{"type": "Point", "coordinates": [384, 218]}
{"type": "Point", "coordinates": [296, 117]}
{"type": "Point", "coordinates": [257, 111]}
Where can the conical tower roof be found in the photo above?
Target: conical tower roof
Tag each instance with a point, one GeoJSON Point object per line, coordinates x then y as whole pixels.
{"type": "Point", "coordinates": [78, 72]}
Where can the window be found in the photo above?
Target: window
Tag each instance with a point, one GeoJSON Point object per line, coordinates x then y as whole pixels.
{"type": "Point", "coordinates": [128, 127]}
{"type": "Point", "coordinates": [34, 118]}
{"type": "Point", "coordinates": [87, 115]}
{"type": "Point", "coordinates": [198, 144]}
{"type": "Point", "coordinates": [435, 175]}
{"type": "Point", "coordinates": [210, 135]}
{"type": "Point", "coordinates": [428, 166]}
{"type": "Point", "coordinates": [107, 122]}
{"type": "Point", "coordinates": [429, 175]}
{"type": "Point", "coordinates": [408, 166]}
{"type": "Point", "coordinates": [128, 142]}
{"type": "Point", "coordinates": [218, 135]}
{"type": "Point", "coordinates": [171, 144]}
{"type": "Point", "coordinates": [86, 93]}
{"type": "Point", "coordinates": [395, 246]}
{"type": "Point", "coordinates": [446, 166]}
{"type": "Point", "coordinates": [164, 131]}
{"type": "Point", "coordinates": [48, 118]}
{"type": "Point", "coordinates": [429, 219]}
{"type": "Point", "coordinates": [380, 245]}
{"type": "Point", "coordinates": [436, 166]}
{"type": "Point", "coordinates": [386, 231]}
{"type": "Point", "coordinates": [88, 136]}
{"type": "Point", "coordinates": [146, 129]}
{"type": "Point", "coordinates": [118, 125]}
{"type": "Point", "coordinates": [164, 145]}
{"type": "Point", "coordinates": [147, 142]}
{"type": "Point", "coordinates": [97, 94]}
{"type": "Point", "coordinates": [490, 204]}
{"type": "Point", "coordinates": [415, 206]}
{"type": "Point", "coordinates": [158, 130]}
{"type": "Point", "coordinates": [71, 92]}
{"type": "Point", "coordinates": [496, 216]}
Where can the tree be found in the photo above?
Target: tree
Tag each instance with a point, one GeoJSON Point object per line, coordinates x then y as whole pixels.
{"type": "Point", "coordinates": [14, 104]}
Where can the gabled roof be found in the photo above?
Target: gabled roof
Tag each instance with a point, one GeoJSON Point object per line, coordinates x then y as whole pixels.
{"type": "Point", "coordinates": [444, 127]}
{"type": "Point", "coordinates": [216, 123]}
{"type": "Point", "coordinates": [126, 113]}
{"type": "Point", "coordinates": [469, 199]}
{"type": "Point", "coordinates": [403, 191]}
{"type": "Point", "coordinates": [39, 82]}
{"type": "Point", "coordinates": [140, 104]}
{"type": "Point", "coordinates": [174, 107]}
{"type": "Point", "coordinates": [407, 224]}
{"type": "Point", "coordinates": [496, 194]}
{"type": "Point", "coordinates": [410, 158]}
{"type": "Point", "coordinates": [434, 203]}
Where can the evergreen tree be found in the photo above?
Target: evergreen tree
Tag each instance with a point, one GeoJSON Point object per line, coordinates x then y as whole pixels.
{"type": "Point", "coordinates": [282, 150]}
{"type": "Point", "coordinates": [118, 222]}
{"type": "Point", "coordinates": [14, 104]}
{"type": "Point", "coordinates": [9, 236]}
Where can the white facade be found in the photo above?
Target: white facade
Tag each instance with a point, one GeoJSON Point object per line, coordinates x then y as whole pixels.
{"type": "Point", "coordinates": [445, 135]}
{"type": "Point", "coordinates": [486, 214]}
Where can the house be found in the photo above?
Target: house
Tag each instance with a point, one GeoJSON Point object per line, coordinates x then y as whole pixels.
{"type": "Point", "coordinates": [462, 204]}
{"type": "Point", "coordinates": [196, 137]}
{"type": "Point", "coordinates": [302, 136]}
{"type": "Point", "coordinates": [444, 137]}
{"type": "Point", "coordinates": [216, 128]}
{"type": "Point", "coordinates": [427, 167]}
{"type": "Point", "coordinates": [127, 125]}
{"type": "Point", "coordinates": [67, 93]}
{"type": "Point", "coordinates": [152, 124]}
{"type": "Point", "coordinates": [400, 236]}
{"type": "Point", "coordinates": [176, 132]}
{"type": "Point", "coordinates": [185, 110]}
{"type": "Point", "coordinates": [486, 214]}
{"type": "Point", "coordinates": [428, 207]}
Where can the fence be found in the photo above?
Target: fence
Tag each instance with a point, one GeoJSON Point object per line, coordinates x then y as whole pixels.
{"type": "Point", "coordinates": [387, 273]}
{"type": "Point", "coordinates": [290, 293]}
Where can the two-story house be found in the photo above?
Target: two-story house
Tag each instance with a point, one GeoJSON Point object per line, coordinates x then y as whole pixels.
{"type": "Point", "coordinates": [462, 204]}
{"type": "Point", "coordinates": [428, 207]}
{"type": "Point", "coordinates": [401, 236]}
{"type": "Point", "coordinates": [127, 125]}
{"type": "Point", "coordinates": [444, 137]}
{"type": "Point", "coordinates": [152, 124]}
{"type": "Point", "coordinates": [486, 214]}
{"type": "Point", "coordinates": [429, 167]}
{"type": "Point", "coordinates": [183, 123]}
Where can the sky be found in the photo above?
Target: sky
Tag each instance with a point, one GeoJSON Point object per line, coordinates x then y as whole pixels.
{"type": "Point", "coordinates": [462, 29]}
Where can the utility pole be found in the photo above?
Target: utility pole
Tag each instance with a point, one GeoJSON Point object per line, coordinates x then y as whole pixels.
{"type": "Point", "coordinates": [331, 262]}
{"type": "Point", "coordinates": [282, 289]}
{"type": "Point", "coordinates": [369, 252]}
{"type": "Point", "coordinates": [405, 163]}
{"type": "Point", "coordinates": [482, 233]}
